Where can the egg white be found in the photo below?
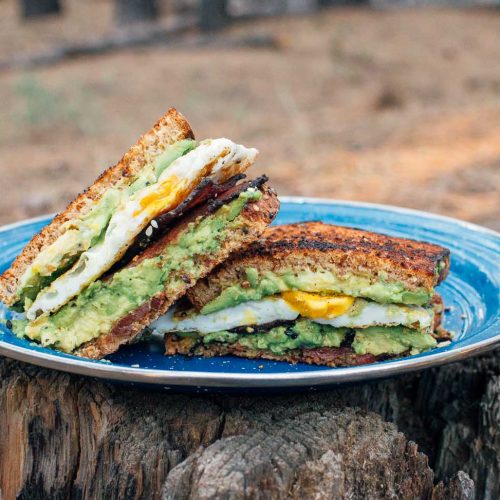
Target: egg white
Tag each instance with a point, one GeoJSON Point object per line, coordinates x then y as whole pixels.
{"type": "Point", "coordinates": [361, 315]}
{"type": "Point", "coordinates": [217, 159]}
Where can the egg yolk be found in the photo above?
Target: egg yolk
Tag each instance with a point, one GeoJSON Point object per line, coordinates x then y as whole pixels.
{"type": "Point", "coordinates": [314, 305]}
{"type": "Point", "coordinates": [164, 197]}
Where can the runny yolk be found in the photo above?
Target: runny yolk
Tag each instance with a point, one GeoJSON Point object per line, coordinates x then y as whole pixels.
{"type": "Point", "coordinates": [164, 197]}
{"type": "Point", "coordinates": [314, 305]}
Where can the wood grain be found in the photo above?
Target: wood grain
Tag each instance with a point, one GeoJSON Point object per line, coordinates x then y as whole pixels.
{"type": "Point", "coordinates": [63, 436]}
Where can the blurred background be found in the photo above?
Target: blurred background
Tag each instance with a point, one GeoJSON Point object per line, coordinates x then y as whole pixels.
{"type": "Point", "coordinates": [389, 101]}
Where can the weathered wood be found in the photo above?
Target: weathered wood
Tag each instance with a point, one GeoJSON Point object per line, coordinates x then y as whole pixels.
{"type": "Point", "coordinates": [64, 436]}
{"type": "Point", "coordinates": [302, 452]}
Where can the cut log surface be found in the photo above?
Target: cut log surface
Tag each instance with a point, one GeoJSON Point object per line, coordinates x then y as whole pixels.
{"type": "Point", "coordinates": [433, 434]}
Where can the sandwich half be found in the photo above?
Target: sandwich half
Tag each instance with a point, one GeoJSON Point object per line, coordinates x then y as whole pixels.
{"type": "Point", "coordinates": [315, 293]}
{"type": "Point", "coordinates": [133, 242]}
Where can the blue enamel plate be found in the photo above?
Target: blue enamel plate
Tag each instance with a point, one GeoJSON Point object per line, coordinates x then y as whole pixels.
{"type": "Point", "coordinates": [471, 294]}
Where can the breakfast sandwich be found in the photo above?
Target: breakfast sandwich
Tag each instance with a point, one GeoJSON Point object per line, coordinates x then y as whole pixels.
{"type": "Point", "coordinates": [125, 249]}
{"type": "Point", "coordinates": [314, 293]}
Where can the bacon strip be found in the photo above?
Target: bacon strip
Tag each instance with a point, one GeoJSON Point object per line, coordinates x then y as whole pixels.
{"type": "Point", "coordinates": [217, 194]}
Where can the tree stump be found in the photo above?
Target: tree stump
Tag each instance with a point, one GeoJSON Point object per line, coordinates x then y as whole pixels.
{"type": "Point", "coordinates": [432, 434]}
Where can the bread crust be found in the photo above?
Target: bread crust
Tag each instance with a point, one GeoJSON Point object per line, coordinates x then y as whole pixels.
{"type": "Point", "coordinates": [256, 216]}
{"type": "Point", "coordinates": [343, 251]}
{"type": "Point", "coordinates": [170, 128]}
{"type": "Point", "coordinates": [325, 356]}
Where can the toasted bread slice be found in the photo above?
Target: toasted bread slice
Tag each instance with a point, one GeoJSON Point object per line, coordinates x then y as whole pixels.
{"type": "Point", "coordinates": [172, 127]}
{"type": "Point", "coordinates": [342, 251]}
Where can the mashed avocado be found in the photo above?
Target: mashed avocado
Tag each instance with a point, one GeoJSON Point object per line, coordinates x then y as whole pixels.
{"type": "Point", "coordinates": [83, 233]}
{"type": "Point", "coordinates": [305, 334]}
{"type": "Point", "coordinates": [377, 340]}
{"type": "Point", "coordinates": [268, 283]}
{"type": "Point", "coordinates": [100, 305]}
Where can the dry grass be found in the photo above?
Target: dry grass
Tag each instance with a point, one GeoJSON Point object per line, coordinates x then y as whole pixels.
{"type": "Point", "coordinates": [398, 107]}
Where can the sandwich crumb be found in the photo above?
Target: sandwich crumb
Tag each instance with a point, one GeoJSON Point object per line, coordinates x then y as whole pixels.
{"type": "Point", "coordinates": [444, 344]}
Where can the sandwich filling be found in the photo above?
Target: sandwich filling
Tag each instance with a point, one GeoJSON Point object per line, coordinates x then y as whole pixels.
{"type": "Point", "coordinates": [303, 320]}
{"type": "Point", "coordinates": [91, 244]}
{"type": "Point", "coordinates": [258, 285]}
{"type": "Point", "coordinates": [304, 334]}
{"type": "Point", "coordinates": [105, 301]}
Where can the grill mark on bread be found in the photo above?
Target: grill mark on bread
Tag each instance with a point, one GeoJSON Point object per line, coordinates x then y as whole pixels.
{"type": "Point", "coordinates": [170, 128]}
{"type": "Point", "coordinates": [128, 327]}
{"type": "Point", "coordinates": [409, 254]}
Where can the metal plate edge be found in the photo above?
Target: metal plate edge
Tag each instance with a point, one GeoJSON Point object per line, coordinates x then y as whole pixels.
{"type": "Point", "coordinates": [332, 376]}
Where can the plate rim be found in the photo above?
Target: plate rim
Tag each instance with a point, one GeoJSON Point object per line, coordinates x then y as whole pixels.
{"type": "Point", "coordinates": [330, 376]}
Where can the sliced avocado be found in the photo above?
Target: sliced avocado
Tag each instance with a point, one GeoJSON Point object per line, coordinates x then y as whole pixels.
{"type": "Point", "coordinates": [268, 283]}
{"type": "Point", "coordinates": [395, 340]}
{"type": "Point", "coordinates": [151, 173]}
{"type": "Point", "coordinates": [303, 334]}
{"type": "Point", "coordinates": [101, 304]}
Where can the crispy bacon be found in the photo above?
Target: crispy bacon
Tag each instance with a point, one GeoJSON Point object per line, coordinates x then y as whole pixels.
{"type": "Point", "coordinates": [208, 192]}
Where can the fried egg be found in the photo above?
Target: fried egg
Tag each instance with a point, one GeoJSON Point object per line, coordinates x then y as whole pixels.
{"type": "Point", "coordinates": [359, 314]}
{"type": "Point", "coordinates": [217, 159]}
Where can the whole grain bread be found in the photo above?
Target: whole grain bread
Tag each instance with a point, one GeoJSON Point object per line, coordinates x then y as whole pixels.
{"type": "Point", "coordinates": [251, 222]}
{"type": "Point", "coordinates": [170, 128]}
{"type": "Point", "coordinates": [324, 356]}
{"type": "Point", "coordinates": [341, 250]}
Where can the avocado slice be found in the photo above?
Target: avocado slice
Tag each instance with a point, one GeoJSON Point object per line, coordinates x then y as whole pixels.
{"type": "Point", "coordinates": [260, 285]}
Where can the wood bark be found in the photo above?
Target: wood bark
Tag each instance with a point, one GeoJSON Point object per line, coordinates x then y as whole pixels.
{"type": "Point", "coordinates": [433, 434]}
{"type": "Point", "coordinates": [178, 35]}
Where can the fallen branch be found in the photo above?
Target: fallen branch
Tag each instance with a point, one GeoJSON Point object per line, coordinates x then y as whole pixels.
{"type": "Point", "coordinates": [180, 34]}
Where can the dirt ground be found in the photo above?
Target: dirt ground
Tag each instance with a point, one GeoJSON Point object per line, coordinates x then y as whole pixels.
{"type": "Point", "coordinates": [398, 107]}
